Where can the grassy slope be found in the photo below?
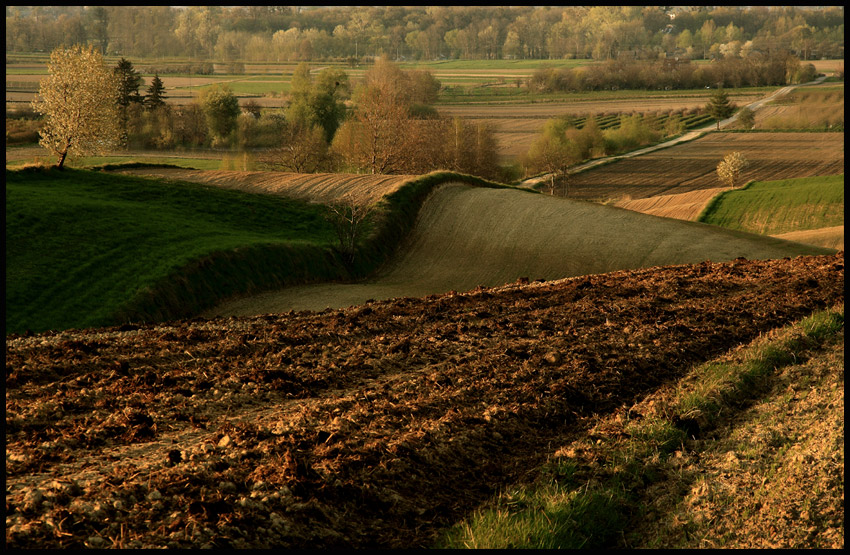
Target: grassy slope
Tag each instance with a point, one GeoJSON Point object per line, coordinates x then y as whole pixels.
{"type": "Point", "coordinates": [774, 207]}
{"type": "Point", "coordinates": [468, 236]}
{"type": "Point", "coordinates": [81, 245]}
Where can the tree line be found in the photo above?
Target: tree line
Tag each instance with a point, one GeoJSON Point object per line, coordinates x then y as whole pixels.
{"type": "Point", "coordinates": [285, 33]}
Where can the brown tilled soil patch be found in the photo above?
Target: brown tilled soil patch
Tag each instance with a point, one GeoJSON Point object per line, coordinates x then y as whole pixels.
{"type": "Point", "coordinates": [372, 426]}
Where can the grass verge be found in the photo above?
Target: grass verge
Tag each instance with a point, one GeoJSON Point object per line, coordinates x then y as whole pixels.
{"type": "Point", "coordinates": [649, 475]}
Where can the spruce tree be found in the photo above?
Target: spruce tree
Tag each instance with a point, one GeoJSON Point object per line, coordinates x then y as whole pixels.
{"type": "Point", "coordinates": [719, 106]}
{"type": "Point", "coordinates": [155, 96]}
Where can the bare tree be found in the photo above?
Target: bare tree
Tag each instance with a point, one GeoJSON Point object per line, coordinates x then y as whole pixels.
{"type": "Point", "coordinates": [348, 219]}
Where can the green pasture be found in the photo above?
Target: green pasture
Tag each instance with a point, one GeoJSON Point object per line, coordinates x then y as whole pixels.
{"type": "Point", "coordinates": [81, 246]}
{"type": "Point", "coordinates": [197, 163]}
{"type": "Point", "coordinates": [774, 207]}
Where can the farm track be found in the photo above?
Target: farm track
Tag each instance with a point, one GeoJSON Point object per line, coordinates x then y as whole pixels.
{"type": "Point", "coordinates": [368, 427]}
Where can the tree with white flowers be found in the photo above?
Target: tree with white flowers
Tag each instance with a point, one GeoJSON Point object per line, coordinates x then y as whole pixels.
{"type": "Point", "coordinates": [729, 169]}
{"type": "Point", "coordinates": [79, 102]}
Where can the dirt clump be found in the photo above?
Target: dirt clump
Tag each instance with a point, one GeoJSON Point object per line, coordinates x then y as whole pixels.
{"type": "Point", "coordinates": [372, 426]}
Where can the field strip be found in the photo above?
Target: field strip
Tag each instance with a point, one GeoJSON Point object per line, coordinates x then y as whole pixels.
{"type": "Point", "coordinates": [829, 237]}
{"type": "Point", "coordinates": [681, 206]}
{"type": "Point", "coordinates": [318, 187]}
{"type": "Point", "coordinates": [466, 237]}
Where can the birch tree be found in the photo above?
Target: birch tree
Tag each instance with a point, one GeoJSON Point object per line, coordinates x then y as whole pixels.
{"type": "Point", "coordinates": [79, 102]}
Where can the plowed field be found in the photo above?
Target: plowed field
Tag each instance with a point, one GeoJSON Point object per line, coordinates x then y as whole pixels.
{"type": "Point", "coordinates": [366, 427]}
{"type": "Point", "coordinates": [692, 166]}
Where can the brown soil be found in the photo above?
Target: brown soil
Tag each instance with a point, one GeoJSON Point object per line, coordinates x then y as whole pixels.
{"type": "Point", "coordinates": [372, 426]}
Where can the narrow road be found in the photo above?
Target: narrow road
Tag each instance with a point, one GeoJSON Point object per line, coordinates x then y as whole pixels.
{"type": "Point", "coordinates": [689, 136]}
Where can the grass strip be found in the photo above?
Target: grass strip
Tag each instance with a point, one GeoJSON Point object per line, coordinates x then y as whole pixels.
{"type": "Point", "coordinates": [774, 207]}
{"type": "Point", "coordinates": [597, 489]}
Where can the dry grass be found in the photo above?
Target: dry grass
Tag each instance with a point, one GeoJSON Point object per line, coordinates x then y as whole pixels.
{"type": "Point", "coordinates": [680, 206]}
{"type": "Point", "coordinates": [829, 237]}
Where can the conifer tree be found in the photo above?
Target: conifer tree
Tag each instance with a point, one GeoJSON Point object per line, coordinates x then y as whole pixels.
{"type": "Point", "coordinates": [155, 96]}
{"type": "Point", "coordinates": [719, 106]}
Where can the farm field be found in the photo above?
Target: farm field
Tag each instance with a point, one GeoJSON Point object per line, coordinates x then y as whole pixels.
{"type": "Point", "coordinates": [807, 210]}
{"type": "Point", "coordinates": [680, 206]}
{"type": "Point", "coordinates": [692, 166]}
{"type": "Point", "coordinates": [82, 247]}
{"type": "Point", "coordinates": [369, 427]}
{"type": "Point", "coordinates": [466, 236]}
{"type": "Point", "coordinates": [518, 125]}
{"type": "Point", "coordinates": [362, 189]}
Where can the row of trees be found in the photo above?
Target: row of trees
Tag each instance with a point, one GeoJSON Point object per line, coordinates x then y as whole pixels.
{"type": "Point", "coordinates": [778, 68]}
{"type": "Point", "coordinates": [280, 33]}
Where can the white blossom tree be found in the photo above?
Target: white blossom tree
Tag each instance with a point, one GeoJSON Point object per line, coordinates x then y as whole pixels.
{"type": "Point", "coordinates": [729, 169]}
{"type": "Point", "coordinates": [79, 102]}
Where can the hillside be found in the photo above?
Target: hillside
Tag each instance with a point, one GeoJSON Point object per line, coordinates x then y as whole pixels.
{"type": "Point", "coordinates": [370, 427]}
{"type": "Point", "coordinates": [467, 236]}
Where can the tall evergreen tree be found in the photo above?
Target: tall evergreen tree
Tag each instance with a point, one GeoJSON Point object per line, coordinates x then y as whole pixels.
{"type": "Point", "coordinates": [719, 106]}
{"type": "Point", "coordinates": [129, 82]}
{"type": "Point", "coordinates": [155, 96]}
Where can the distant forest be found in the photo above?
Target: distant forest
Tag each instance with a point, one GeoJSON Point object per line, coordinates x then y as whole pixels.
{"type": "Point", "coordinates": [296, 34]}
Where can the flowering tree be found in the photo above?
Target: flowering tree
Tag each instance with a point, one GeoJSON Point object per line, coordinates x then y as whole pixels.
{"type": "Point", "coordinates": [79, 102]}
{"type": "Point", "coordinates": [729, 169]}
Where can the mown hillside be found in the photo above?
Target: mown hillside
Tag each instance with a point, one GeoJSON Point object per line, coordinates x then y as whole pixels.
{"type": "Point", "coordinates": [89, 248]}
{"type": "Point", "coordinates": [467, 236]}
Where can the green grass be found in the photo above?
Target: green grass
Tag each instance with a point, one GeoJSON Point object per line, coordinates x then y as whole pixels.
{"type": "Point", "coordinates": [89, 162]}
{"type": "Point", "coordinates": [773, 207]}
{"type": "Point", "coordinates": [83, 246]}
{"type": "Point", "coordinates": [571, 506]}
{"type": "Point", "coordinates": [87, 249]}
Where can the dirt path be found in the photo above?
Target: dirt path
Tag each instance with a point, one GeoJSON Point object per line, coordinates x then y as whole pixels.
{"type": "Point", "coordinates": [372, 427]}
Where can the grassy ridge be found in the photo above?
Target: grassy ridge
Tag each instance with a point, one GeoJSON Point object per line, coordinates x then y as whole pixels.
{"type": "Point", "coordinates": [773, 207]}
{"type": "Point", "coordinates": [83, 247]}
{"type": "Point", "coordinates": [86, 248]}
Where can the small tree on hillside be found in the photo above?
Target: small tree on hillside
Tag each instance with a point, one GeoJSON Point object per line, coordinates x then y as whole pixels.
{"type": "Point", "coordinates": [746, 118]}
{"type": "Point", "coordinates": [348, 219]}
{"type": "Point", "coordinates": [221, 108]}
{"type": "Point", "coordinates": [729, 169]}
{"type": "Point", "coordinates": [719, 106]}
{"type": "Point", "coordinates": [79, 101]}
